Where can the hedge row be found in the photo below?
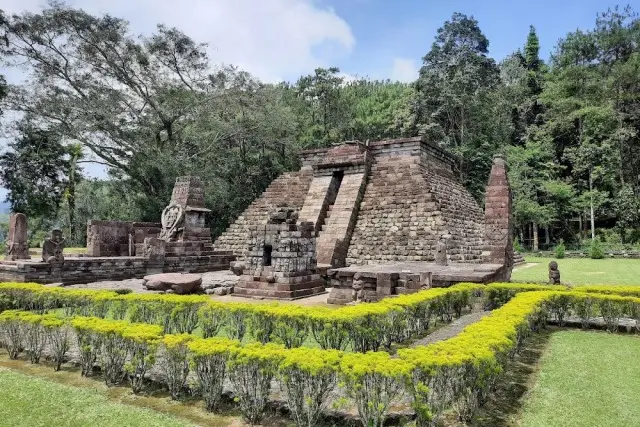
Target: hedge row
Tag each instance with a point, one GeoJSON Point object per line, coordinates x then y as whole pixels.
{"type": "Point", "coordinates": [456, 373]}
{"type": "Point", "coordinates": [361, 327]}
{"type": "Point", "coordinates": [499, 293]}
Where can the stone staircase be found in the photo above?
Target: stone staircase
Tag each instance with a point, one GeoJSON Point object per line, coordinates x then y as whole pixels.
{"type": "Point", "coordinates": [288, 189]}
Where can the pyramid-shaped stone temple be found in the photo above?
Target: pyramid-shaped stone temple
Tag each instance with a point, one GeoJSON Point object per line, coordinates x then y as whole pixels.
{"type": "Point", "coordinates": [388, 217]}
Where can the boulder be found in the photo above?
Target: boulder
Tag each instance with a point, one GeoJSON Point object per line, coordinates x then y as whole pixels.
{"type": "Point", "coordinates": [237, 267]}
{"type": "Point", "coordinates": [178, 283]}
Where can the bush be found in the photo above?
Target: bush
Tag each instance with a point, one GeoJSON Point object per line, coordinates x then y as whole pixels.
{"type": "Point", "coordinates": [307, 377]}
{"type": "Point", "coordinates": [57, 332]}
{"type": "Point", "coordinates": [595, 250]}
{"type": "Point", "coordinates": [142, 342]}
{"type": "Point", "coordinates": [175, 362]}
{"type": "Point", "coordinates": [89, 342]}
{"type": "Point", "coordinates": [209, 358]}
{"type": "Point", "coordinates": [373, 380]}
{"type": "Point", "coordinates": [35, 336]}
{"type": "Point", "coordinates": [251, 370]}
{"type": "Point", "coordinates": [560, 250]}
{"type": "Point", "coordinates": [12, 329]}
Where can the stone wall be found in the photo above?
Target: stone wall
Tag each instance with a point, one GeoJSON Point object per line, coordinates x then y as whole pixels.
{"type": "Point", "coordinates": [111, 238]}
{"type": "Point", "coordinates": [412, 201]}
{"type": "Point", "coordinates": [289, 189]}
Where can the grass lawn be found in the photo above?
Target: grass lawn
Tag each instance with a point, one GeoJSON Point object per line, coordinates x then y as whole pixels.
{"type": "Point", "coordinates": [29, 401]}
{"type": "Point", "coordinates": [582, 271]}
{"type": "Point", "coordinates": [586, 379]}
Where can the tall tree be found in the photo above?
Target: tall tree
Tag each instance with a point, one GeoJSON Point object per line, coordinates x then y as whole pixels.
{"type": "Point", "coordinates": [122, 97]}
{"type": "Point", "coordinates": [35, 171]}
{"type": "Point", "coordinates": [453, 95]}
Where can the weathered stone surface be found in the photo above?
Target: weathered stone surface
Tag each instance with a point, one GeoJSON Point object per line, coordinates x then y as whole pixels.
{"type": "Point", "coordinates": [53, 247]}
{"type": "Point", "coordinates": [498, 219]}
{"type": "Point", "coordinates": [441, 253]}
{"type": "Point", "coordinates": [554, 273]}
{"type": "Point", "coordinates": [17, 240]}
{"type": "Point", "coordinates": [177, 282]}
{"type": "Point", "coordinates": [219, 279]}
{"type": "Point", "coordinates": [237, 267]}
{"type": "Point", "coordinates": [387, 201]}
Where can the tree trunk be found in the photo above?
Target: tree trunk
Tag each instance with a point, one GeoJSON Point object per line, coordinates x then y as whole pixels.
{"type": "Point", "coordinates": [580, 227]}
{"type": "Point", "coordinates": [534, 227]}
{"type": "Point", "coordinates": [547, 234]}
{"type": "Point", "coordinates": [593, 219]}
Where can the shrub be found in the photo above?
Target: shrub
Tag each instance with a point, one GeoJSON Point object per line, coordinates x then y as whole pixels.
{"type": "Point", "coordinates": [89, 342]}
{"type": "Point", "coordinates": [308, 376]}
{"type": "Point", "coordinates": [237, 315]}
{"type": "Point", "coordinates": [251, 370]}
{"type": "Point", "coordinates": [175, 362]}
{"type": "Point", "coordinates": [209, 358]}
{"type": "Point", "coordinates": [211, 318]}
{"type": "Point", "coordinates": [329, 328]}
{"type": "Point", "coordinates": [142, 342]}
{"type": "Point", "coordinates": [261, 322]}
{"type": "Point", "coordinates": [57, 333]}
{"type": "Point", "coordinates": [11, 325]}
{"type": "Point", "coordinates": [584, 307]}
{"type": "Point", "coordinates": [373, 380]}
{"type": "Point", "coordinates": [559, 305]}
{"type": "Point", "coordinates": [595, 250]}
{"type": "Point", "coordinates": [291, 325]}
{"type": "Point", "coordinates": [560, 250]}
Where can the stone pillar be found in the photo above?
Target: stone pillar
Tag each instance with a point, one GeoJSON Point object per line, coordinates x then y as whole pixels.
{"type": "Point", "coordinates": [498, 219]}
{"type": "Point", "coordinates": [17, 241]}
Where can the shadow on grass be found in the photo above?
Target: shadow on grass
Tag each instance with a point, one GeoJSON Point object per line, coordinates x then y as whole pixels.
{"type": "Point", "coordinates": [503, 406]}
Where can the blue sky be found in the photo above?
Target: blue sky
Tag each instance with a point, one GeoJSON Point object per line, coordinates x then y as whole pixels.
{"type": "Point", "coordinates": [283, 39]}
{"type": "Point", "coordinates": [386, 29]}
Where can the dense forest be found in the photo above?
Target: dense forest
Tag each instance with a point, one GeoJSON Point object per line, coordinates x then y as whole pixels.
{"type": "Point", "coordinates": [152, 108]}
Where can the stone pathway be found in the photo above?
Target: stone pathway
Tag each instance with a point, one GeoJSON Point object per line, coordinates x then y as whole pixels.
{"type": "Point", "coordinates": [452, 329]}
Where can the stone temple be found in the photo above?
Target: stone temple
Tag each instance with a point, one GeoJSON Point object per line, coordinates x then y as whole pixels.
{"type": "Point", "coordinates": [383, 213]}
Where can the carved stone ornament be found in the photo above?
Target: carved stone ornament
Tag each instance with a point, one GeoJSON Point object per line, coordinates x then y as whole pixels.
{"type": "Point", "coordinates": [172, 219]}
{"type": "Point", "coordinates": [53, 247]}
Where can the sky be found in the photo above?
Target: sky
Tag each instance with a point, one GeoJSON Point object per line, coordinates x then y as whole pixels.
{"type": "Point", "coordinates": [283, 39]}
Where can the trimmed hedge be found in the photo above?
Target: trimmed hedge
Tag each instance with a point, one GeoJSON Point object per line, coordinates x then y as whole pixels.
{"type": "Point", "coordinates": [457, 373]}
{"type": "Point", "coordinates": [362, 327]}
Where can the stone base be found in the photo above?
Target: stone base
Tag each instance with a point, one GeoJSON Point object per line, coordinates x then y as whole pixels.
{"type": "Point", "coordinates": [377, 281]}
{"type": "Point", "coordinates": [95, 269]}
{"type": "Point", "coordinates": [284, 288]}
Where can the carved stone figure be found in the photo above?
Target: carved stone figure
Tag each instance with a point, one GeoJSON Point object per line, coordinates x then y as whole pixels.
{"type": "Point", "coordinates": [172, 219]}
{"type": "Point", "coordinates": [554, 273]}
{"type": "Point", "coordinates": [17, 242]}
{"type": "Point", "coordinates": [441, 252]}
{"type": "Point", "coordinates": [53, 247]}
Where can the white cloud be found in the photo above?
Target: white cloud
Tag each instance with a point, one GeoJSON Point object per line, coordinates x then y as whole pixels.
{"type": "Point", "coordinates": [404, 70]}
{"type": "Point", "coordinates": [273, 39]}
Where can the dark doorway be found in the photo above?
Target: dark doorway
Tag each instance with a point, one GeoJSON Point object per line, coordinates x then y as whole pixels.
{"type": "Point", "coordinates": [266, 255]}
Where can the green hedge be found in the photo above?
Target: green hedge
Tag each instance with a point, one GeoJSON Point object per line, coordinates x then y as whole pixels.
{"type": "Point", "coordinates": [457, 373]}
{"type": "Point", "coordinates": [362, 327]}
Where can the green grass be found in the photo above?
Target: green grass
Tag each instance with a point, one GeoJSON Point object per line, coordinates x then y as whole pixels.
{"type": "Point", "coordinates": [586, 379]}
{"type": "Point", "coordinates": [582, 271]}
{"type": "Point", "coordinates": [29, 401]}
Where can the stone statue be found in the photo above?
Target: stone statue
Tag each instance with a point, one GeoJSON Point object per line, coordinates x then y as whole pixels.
{"type": "Point", "coordinates": [441, 252]}
{"type": "Point", "coordinates": [52, 247]}
{"type": "Point", "coordinates": [17, 242]}
{"type": "Point", "coordinates": [172, 218]}
{"type": "Point", "coordinates": [554, 273]}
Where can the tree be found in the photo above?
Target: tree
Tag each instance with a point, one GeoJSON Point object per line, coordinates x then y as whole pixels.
{"type": "Point", "coordinates": [34, 170]}
{"type": "Point", "coordinates": [453, 97]}
{"type": "Point", "coordinates": [123, 98]}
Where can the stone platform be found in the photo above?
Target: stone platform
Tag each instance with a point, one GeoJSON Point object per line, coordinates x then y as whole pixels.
{"type": "Point", "coordinates": [77, 270]}
{"type": "Point", "coordinates": [281, 288]}
{"type": "Point", "coordinates": [374, 281]}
